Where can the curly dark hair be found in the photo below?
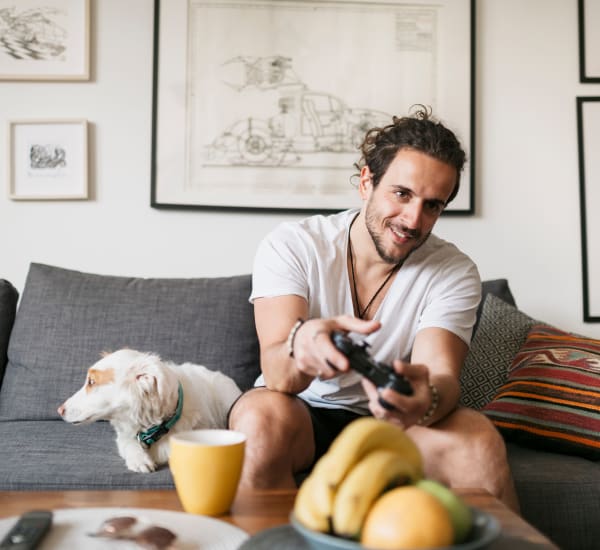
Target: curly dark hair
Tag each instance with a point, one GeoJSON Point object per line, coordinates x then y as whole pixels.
{"type": "Point", "coordinates": [418, 131]}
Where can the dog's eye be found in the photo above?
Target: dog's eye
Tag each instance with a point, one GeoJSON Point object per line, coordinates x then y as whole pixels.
{"type": "Point", "coordinates": [91, 382]}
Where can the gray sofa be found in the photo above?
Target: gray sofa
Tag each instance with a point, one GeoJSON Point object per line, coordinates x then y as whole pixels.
{"type": "Point", "coordinates": [66, 318]}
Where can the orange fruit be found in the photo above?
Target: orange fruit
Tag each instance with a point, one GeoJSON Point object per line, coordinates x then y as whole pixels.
{"type": "Point", "coordinates": [407, 517]}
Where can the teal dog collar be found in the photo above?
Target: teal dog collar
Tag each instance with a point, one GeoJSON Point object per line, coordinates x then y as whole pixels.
{"type": "Point", "coordinates": [154, 433]}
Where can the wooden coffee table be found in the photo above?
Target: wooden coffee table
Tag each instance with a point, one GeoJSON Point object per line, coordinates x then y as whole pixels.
{"type": "Point", "coordinates": [257, 510]}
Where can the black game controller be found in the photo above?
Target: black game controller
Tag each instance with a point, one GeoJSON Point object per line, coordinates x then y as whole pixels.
{"type": "Point", "coordinates": [383, 376]}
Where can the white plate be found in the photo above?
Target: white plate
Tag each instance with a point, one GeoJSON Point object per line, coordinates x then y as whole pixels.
{"type": "Point", "coordinates": [70, 528]}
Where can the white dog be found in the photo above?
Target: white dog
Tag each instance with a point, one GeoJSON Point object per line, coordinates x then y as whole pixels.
{"type": "Point", "coordinates": [146, 399]}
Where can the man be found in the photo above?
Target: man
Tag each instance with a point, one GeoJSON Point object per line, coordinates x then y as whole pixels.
{"type": "Point", "coordinates": [379, 274]}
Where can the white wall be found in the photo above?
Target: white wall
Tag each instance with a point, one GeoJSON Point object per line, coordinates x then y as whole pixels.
{"type": "Point", "coordinates": [527, 223]}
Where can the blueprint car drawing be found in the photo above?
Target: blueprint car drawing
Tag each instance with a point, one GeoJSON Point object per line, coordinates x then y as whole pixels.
{"type": "Point", "coordinates": [304, 121]}
{"type": "Point", "coordinates": [264, 103]}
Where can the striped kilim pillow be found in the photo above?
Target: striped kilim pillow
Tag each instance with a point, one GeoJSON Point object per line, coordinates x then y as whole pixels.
{"type": "Point", "coordinates": [551, 399]}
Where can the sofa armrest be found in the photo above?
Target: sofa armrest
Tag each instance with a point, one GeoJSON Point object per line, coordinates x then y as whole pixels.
{"type": "Point", "coordinates": [8, 307]}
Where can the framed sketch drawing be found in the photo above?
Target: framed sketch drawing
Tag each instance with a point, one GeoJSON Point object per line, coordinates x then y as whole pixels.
{"type": "Point", "coordinates": [588, 134]}
{"type": "Point", "coordinates": [261, 104]}
{"type": "Point", "coordinates": [44, 39]}
{"type": "Point", "coordinates": [589, 41]}
{"type": "Point", "coordinates": [47, 159]}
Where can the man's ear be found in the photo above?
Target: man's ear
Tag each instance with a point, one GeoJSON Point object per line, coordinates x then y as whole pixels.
{"type": "Point", "coordinates": [365, 183]}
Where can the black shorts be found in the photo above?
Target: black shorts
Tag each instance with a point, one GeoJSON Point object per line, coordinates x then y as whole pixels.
{"type": "Point", "coordinates": [327, 424]}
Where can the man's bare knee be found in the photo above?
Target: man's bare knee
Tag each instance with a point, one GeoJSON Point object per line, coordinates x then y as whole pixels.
{"type": "Point", "coordinates": [466, 450]}
{"type": "Point", "coordinates": [262, 407]}
{"type": "Point", "coordinates": [279, 437]}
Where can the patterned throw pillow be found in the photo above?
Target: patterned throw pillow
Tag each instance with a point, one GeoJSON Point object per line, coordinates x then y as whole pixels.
{"type": "Point", "coordinates": [551, 399]}
{"type": "Point", "coordinates": [501, 331]}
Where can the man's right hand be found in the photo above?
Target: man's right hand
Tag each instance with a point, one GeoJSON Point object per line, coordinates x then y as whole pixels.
{"type": "Point", "coordinates": [313, 348]}
{"type": "Point", "coordinates": [314, 352]}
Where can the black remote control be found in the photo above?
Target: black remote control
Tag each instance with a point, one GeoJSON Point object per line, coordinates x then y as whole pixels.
{"type": "Point", "coordinates": [383, 376]}
{"type": "Point", "coordinates": [28, 531]}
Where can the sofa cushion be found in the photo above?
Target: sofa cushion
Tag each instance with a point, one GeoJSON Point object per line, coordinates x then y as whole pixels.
{"type": "Point", "coordinates": [501, 331]}
{"type": "Point", "coordinates": [497, 287]}
{"type": "Point", "coordinates": [67, 318]}
{"type": "Point", "coordinates": [559, 494]}
{"type": "Point", "coordinates": [51, 455]}
{"type": "Point", "coordinates": [551, 399]}
{"type": "Point", "coordinates": [8, 306]}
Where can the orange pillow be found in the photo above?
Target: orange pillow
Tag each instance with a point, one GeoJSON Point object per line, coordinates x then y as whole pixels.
{"type": "Point", "coordinates": [551, 399]}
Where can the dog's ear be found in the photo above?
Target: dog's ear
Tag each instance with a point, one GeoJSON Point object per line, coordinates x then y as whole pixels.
{"type": "Point", "coordinates": [146, 382]}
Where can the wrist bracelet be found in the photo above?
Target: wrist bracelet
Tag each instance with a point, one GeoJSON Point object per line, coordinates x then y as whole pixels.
{"type": "Point", "coordinates": [292, 336]}
{"type": "Point", "coordinates": [435, 400]}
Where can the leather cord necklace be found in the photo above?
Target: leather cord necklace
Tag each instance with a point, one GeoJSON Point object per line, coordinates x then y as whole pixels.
{"type": "Point", "coordinates": [361, 314]}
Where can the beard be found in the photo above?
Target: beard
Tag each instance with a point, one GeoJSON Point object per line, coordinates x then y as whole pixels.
{"type": "Point", "coordinates": [394, 255]}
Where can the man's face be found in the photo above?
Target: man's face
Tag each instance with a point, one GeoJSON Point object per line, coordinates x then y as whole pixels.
{"type": "Point", "coordinates": [402, 210]}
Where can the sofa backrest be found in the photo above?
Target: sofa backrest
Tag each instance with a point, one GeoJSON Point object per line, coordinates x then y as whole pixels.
{"type": "Point", "coordinates": [66, 319]}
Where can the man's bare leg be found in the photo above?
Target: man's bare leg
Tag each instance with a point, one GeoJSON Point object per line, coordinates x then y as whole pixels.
{"type": "Point", "coordinates": [279, 435]}
{"type": "Point", "coordinates": [465, 450]}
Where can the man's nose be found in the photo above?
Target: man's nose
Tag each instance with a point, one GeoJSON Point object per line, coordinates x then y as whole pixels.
{"type": "Point", "coordinates": [412, 214]}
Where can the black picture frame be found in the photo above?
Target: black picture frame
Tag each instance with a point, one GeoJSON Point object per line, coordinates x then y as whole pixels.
{"type": "Point", "coordinates": [588, 140]}
{"type": "Point", "coordinates": [588, 55]}
{"type": "Point", "coordinates": [172, 187]}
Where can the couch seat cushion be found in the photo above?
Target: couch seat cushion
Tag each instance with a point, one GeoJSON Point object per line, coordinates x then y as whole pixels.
{"type": "Point", "coordinates": [51, 455]}
{"type": "Point", "coordinates": [558, 494]}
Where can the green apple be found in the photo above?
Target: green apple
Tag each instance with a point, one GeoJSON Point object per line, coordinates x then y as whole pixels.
{"type": "Point", "coordinates": [460, 513]}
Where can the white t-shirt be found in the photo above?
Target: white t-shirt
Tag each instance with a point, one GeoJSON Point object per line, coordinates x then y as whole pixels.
{"type": "Point", "coordinates": [437, 286]}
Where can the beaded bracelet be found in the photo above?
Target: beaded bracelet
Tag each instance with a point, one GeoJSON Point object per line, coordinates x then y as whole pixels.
{"type": "Point", "coordinates": [435, 400]}
{"type": "Point", "coordinates": [292, 336]}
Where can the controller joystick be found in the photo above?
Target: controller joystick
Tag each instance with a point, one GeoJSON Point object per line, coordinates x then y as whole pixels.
{"type": "Point", "coordinates": [382, 375]}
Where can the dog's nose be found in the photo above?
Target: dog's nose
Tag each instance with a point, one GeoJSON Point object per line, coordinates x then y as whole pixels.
{"type": "Point", "coordinates": [61, 410]}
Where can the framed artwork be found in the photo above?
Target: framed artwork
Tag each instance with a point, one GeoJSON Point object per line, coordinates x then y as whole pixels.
{"type": "Point", "coordinates": [44, 39]}
{"type": "Point", "coordinates": [47, 159]}
{"type": "Point", "coordinates": [589, 40]}
{"type": "Point", "coordinates": [261, 104]}
{"type": "Point", "coordinates": [588, 137]}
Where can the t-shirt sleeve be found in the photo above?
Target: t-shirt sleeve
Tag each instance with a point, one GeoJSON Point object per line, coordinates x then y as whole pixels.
{"type": "Point", "coordinates": [453, 303]}
{"type": "Point", "coordinates": [280, 265]}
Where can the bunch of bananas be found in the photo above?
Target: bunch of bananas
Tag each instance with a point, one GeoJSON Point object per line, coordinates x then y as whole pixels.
{"type": "Point", "coordinates": [367, 458]}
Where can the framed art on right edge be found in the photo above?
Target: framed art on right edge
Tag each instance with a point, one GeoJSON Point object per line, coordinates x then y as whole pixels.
{"type": "Point", "coordinates": [589, 41]}
{"type": "Point", "coordinates": [588, 137]}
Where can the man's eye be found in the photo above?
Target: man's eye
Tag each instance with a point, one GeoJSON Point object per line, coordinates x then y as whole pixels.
{"type": "Point", "coordinates": [434, 207]}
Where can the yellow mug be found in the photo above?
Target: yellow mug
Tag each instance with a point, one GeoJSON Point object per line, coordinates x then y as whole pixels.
{"type": "Point", "coordinates": [206, 467]}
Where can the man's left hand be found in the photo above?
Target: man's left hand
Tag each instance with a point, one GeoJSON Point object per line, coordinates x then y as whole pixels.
{"type": "Point", "coordinates": [403, 410]}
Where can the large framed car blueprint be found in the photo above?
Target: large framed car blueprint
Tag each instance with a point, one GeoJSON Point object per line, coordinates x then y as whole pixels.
{"type": "Point", "coordinates": [262, 104]}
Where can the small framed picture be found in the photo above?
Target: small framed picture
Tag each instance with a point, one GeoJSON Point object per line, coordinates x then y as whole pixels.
{"type": "Point", "coordinates": [47, 159]}
{"type": "Point", "coordinates": [44, 39]}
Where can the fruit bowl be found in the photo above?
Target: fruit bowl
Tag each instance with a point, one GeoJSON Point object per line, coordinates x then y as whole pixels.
{"type": "Point", "coordinates": [485, 529]}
